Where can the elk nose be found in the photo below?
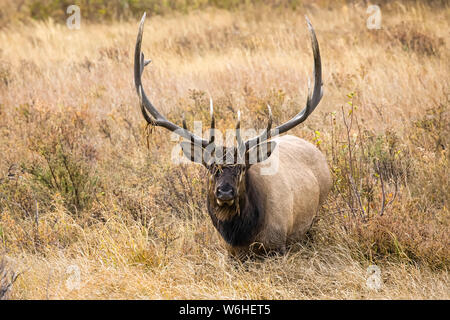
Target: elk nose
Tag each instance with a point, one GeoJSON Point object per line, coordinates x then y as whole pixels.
{"type": "Point", "coordinates": [225, 192]}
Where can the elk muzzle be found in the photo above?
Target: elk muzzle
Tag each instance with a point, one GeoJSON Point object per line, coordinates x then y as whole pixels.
{"type": "Point", "coordinates": [225, 194]}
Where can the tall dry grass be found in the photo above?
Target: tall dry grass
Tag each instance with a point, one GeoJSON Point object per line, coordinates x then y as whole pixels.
{"type": "Point", "coordinates": [84, 192]}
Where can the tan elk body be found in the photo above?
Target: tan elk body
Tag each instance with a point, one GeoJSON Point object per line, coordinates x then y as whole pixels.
{"type": "Point", "coordinates": [294, 193]}
{"type": "Point", "coordinates": [289, 198]}
{"type": "Point", "coordinates": [265, 192]}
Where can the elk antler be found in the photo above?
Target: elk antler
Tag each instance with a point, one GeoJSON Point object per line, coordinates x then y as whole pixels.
{"type": "Point", "coordinates": [311, 102]}
{"type": "Point", "coordinates": [156, 119]}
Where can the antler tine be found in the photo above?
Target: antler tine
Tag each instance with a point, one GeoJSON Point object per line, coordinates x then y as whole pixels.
{"type": "Point", "coordinates": [184, 122]}
{"type": "Point", "coordinates": [240, 143]}
{"type": "Point", "coordinates": [317, 73]}
{"type": "Point", "coordinates": [139, 64]}
{"type": "Point", "coordinates": [238, 129]}
{"type": "Point", "coordinates": [156, 118]}
{"type": "Point", "coordinates": [238, 122]}
{"type": "Point", "coordinates": [213, 121]}
{"type": "Point", "coordinates": [313, 98]}
{"type": "Point", "coordinates": [269, 123]}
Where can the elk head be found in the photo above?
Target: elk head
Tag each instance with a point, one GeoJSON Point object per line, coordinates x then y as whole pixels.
{"type": "Point", "coordinates": [227, 166]}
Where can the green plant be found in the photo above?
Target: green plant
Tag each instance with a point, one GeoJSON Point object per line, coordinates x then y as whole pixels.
{"type": "Point", "coordinates": [64, 159]}
{"type": "Point", "coordinates": [365, 165]}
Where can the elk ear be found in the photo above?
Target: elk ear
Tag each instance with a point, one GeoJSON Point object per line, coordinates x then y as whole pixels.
{"type": "Point", "coordinates": [196, 153]}
{"type": "Point", "coordinates": [260, 152]}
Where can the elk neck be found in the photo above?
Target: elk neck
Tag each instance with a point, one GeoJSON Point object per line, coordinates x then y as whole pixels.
{"type": "Point", "coordinates": [238, 224]}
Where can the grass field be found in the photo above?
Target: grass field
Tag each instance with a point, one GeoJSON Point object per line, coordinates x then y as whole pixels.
{"type": "Point", "coordinates": [91, 207]}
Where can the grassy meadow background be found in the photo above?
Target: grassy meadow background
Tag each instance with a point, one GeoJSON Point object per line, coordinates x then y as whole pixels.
{"type": "Point", "coordinates": [88, 192]}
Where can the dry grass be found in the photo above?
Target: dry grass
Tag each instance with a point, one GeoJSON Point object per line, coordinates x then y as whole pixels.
{"type": "Point", "coordinates": [79, 186]}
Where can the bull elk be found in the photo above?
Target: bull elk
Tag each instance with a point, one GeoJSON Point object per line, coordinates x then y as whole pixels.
{"type": "Point", "coordinates": [246, 206]}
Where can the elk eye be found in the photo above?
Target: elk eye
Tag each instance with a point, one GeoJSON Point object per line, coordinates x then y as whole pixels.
{"type": "Point", "coordinates": [217, 173]}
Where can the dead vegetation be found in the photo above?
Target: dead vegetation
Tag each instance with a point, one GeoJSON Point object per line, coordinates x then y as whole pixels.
{"type": "Point", "coordinates": [82, 185]}
{"type": "Point", "coordinates": [7, 279]}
